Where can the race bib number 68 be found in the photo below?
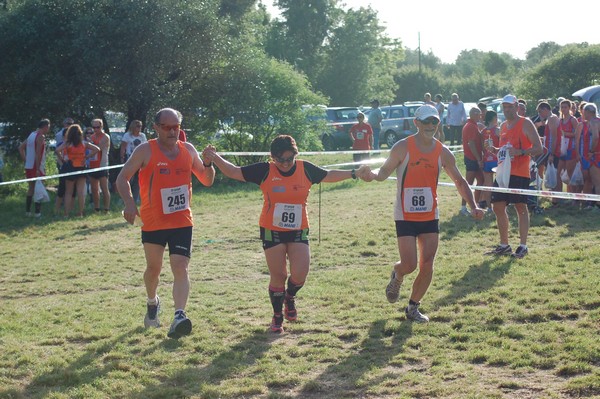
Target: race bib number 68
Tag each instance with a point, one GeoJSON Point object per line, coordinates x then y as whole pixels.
{"type": "Point", "coordinates": [418, 199]}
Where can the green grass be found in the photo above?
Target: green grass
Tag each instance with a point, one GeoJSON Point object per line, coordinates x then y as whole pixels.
{"type": "Point", "coordinates": [72, 302]}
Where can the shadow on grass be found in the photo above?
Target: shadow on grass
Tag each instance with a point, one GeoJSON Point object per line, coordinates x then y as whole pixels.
{"type": "Point", "coordinates": [82, 370]}
{"type": "Point", "coordinates": [195, 380]}
{"type": "Point", "coordinates": [477, 279]}
{"type": "Point", "coordinates": [343, 379]}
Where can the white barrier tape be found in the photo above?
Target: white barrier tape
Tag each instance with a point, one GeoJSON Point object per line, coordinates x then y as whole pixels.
{"type": "Point", "coordinates": [305, 153]}
{"type": "Point", "coordinates": [536, 193]}
{"type": "Point", "coordinates": [79, 172]}
{"type": "Point", "coordinates": [521, 191]}
{"type": "Point", "coordinates": [363, 162]}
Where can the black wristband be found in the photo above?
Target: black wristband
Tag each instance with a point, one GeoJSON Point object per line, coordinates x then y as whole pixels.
{"type": "Point", "coordinates": [207, 166]}
{"type": "Point", "coordinates": [353, 174]}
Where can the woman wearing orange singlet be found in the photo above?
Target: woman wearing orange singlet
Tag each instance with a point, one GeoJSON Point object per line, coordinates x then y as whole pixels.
{"type": "Point", "coordinates": [75, 149]}
{"type": "Point", "coordinates": [285, 182]}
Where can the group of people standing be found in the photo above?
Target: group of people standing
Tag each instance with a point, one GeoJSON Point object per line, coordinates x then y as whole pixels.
{"type": "Point", "coordinates": [565, 138]}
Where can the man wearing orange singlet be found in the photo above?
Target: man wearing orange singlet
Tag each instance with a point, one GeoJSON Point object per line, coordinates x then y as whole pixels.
{"type": "Point", "coordinates": [417, 161]}
{"type": "Point", "coordinates": [165, 166]}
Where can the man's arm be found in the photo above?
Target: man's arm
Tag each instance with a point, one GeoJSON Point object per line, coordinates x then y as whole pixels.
{"type": "Point", "coordinates": [397, 155]}
{"type": "Point", "coordinates": [532, 134]}
{"type": "Point", "coordinates": [136, 161]}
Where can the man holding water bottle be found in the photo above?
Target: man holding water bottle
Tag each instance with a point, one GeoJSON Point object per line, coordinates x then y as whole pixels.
{"type": "Point", "coordinates": [165, 167]}
{"type": "Point", "coordinates": [519, 141]}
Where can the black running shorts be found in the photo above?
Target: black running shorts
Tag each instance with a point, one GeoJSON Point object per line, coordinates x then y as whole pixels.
{"type": "Point", "coordinates": [179, 240]}
{"type": "Point", "coordinates": [271, 238]}
{"type": "Point", "coordinates": [413, 229]}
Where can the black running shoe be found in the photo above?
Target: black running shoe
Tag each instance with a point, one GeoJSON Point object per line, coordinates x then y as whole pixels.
{"type": "Point", "coordinates": [276, 324]}
{"type": "Point", "coordinates": [500, 250]}
{"type": "Point", "coordinates": [181, 326]}
{"type": "Point", "coordinates": [520, 252]}
{"type": "Point", "coordinates": [289, 308]}
{"type": "Point", "coordinates": [151, 318]}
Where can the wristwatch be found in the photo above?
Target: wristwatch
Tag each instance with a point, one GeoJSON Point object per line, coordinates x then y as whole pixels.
{"type": "Point", "coordinates": [353, 174]}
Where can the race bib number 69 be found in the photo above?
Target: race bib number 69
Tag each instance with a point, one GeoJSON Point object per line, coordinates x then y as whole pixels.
{"type": "Point", "coordinates": [287, 216]}
{"type": "Point", "coordinates": [175, 199]}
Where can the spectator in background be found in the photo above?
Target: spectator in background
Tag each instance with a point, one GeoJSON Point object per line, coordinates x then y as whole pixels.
{"type": "Point", "coordinates": [455, 119]}
{"type": "Point", "coordinates": [361, 135]}
{"type": "Point", "coordinates": [427, 99]}
{"type": "Point", "coordinates": [522, 110]}
{"type": "Point", "coordinates": [33, 152]}
{"type": "Point", "coordinates": [473, 155]}
{"type": "Point", "coordinates": [525, 143]}
{"type": "Point", "coordinates": [439, 105]}
{"type": "Point", "coordinates": [99, 178]}
{"type": "Point", "coordinates": [131, 139]}
{"type": "Point", "coordinates": [566, 132]}
{"type": "Point", "coordinates": [491, 139]}
{"type": "Point", "coordinates": [583, 143]}
{"type": "Point", "coordinates": [375, 118]}
{"type": "Point", "coordinates": [59, 138]}
{"type": "Point", "coordinates": [551, 140]}
{"type": "Point", "coordinates": [481, 122]}
{"type": "Point", "coordinates": [75, 148]}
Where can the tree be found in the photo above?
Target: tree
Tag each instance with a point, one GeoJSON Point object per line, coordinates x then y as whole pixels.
{"type": "Point", "coordinates": [300, 37]}
{"type": "Point", "coordinates": [359, 61]}
{"type": "Point", "coordinates": [572, 68]}
{"type": "Point", "coordinates": [254, 98]}
{"type": "Point", "coordinates": [97, 55]}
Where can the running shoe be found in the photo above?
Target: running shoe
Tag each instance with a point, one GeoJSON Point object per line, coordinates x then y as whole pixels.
{"type": "Point", "coordinates": [392, 291]}
{"type": "Point", "coordinates": [151, 318]}
{"type": "Point", "coordinates": [500, 250]}
{"type": "Point", "coordinates": [277, 324]}
{"type": "Point", "coordinates": [289, 308]}
{"type": "Point", "coordinates": [520, 252]}
{"type": "Point", "coordinates": [181, 326]}
{"type": "Point", "coordinates": [412, 313]}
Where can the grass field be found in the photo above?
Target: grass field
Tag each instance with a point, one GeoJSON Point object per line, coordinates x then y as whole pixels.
{"type": "Point", "coordinates": [72, 304]}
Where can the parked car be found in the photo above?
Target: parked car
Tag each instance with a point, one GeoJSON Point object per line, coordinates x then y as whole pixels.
{"type": "Point", "coordinates": [496, 106]}
{"type": "Point", "coordinates": [339, 122]}
{"type": "Point", "coordinates": [398, 122]}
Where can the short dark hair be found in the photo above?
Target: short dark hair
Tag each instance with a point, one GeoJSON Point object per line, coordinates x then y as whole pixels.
{"type": "Point", "coordinates": [283, 143]}
{"type": "Point", "coordinates": [544, 105]}
{"type": "Point", "coordinates": [43, 123]}
{"type": "Point", "coordinates": [489, 116]}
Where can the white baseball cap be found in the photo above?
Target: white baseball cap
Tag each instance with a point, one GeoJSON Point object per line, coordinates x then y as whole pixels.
{"type": "Point", "coordinates": [426, 111]}
{"type": "Point", "coordinates": [509, 99]}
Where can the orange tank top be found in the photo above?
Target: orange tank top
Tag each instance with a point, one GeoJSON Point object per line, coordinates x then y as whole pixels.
{"type": "Point", "coordinates": [519, 165]}
{"type": "Point", "coordinates": [418, 174]}
{"type": "Point", "coordinates": [76, 154]}
{"type": "Point", "coordinates": [284, 206]}
{"type": "Point", "coordinates": [166, 190]}
{"type": "Point", "coordinates": [97, 158]}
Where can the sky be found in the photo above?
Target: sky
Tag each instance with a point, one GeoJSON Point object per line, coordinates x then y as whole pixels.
{"type": "Point", "coordinates": [449, 26]}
